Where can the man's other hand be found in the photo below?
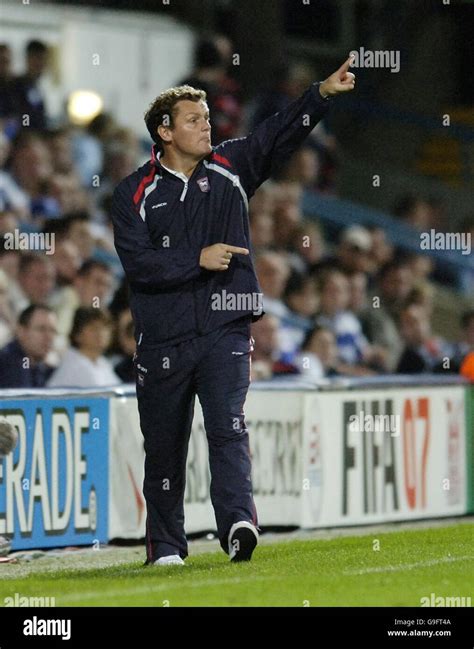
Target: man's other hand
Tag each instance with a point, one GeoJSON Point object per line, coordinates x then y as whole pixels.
{"type": "Point", "coordinates": [218, 256]}
{"type": "Point", "coordinates": [340, 81]}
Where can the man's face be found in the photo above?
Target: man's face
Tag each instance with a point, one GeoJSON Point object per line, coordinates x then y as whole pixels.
{"type": "Point", "coordinates": [397, 284]}
{"type": "Point", "coordinates": [265, 334]}
{"type": "Point", "coordinates": [5, 62]}
{"type": "Point", "coordinates": [96, 284]}
{"type": "Point", "coordinates": [37, 64]}
{"type": "Point", "coordinates": [324, 345]}
{"type": "Point", "coordinates": [191, 130]}
{"type": "Point", "coordinates": [358, 290]}
{"type": "Point", "coordinates": [38, 281]}
{"type": "Point", "coordinates": [67, 260]}
{"type": "Point", "coordinates": [335, 295]}
{"type": "Point", "coordinates": [272, 274]}
{"type": "Point", "coordinates": [37, 337]}
{"type": "Point", "coordinates": [94, 337]}
{"type": "Point", "coordinates": [414, 325]}
{"type": "Point", "coordinates": [80, 234]}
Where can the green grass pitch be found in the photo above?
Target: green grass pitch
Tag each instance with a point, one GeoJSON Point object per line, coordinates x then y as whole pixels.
{"type": "Point", "coordinates": [347, 571]}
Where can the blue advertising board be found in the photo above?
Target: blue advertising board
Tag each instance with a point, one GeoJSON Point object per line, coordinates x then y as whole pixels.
{"type": "Point", "coordinates": [54, 486]}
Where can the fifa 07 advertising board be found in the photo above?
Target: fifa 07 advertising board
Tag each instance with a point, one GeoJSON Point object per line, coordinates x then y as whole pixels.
{"type": "Point", "coordinates": [384, 455]}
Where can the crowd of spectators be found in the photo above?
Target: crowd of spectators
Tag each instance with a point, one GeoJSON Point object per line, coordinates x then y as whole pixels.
{"type": "Point", "coordinates": [351, 305]}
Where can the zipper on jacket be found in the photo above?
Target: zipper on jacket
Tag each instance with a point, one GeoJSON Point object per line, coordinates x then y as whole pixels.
{"type": "Point", "coordinates": [184, 192]}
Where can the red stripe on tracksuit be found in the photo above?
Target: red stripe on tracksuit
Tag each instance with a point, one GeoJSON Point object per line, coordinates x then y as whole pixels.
{"type": "Point", "coordinates": [221, 159]}
{"type": "Point", "coordinates": [142, 186]}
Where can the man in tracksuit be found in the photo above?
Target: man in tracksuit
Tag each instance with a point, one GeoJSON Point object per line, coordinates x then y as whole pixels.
{"type": "Point", "coordinates": [182, 234]}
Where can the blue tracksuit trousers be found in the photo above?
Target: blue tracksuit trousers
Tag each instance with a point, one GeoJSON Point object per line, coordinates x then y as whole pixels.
{"type": "Point", "coordinates": [216, 368]}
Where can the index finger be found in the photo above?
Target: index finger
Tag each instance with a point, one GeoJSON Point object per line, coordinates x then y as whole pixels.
{"type": "Point", "coordinates": [237, 251]}
{"type": "Point", "coordinates": [347, 64]}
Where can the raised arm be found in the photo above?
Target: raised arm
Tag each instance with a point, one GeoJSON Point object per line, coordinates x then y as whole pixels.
{"type": "Point", "coordinates": [271, 143]}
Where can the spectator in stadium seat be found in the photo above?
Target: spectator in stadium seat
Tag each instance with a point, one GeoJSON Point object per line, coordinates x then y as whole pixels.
{"type": "Point", "coordinates": [416, 211]}
{"type": "Point", "coordinates": [273, 272]}
{"type": "Point", "coordinates": [303, 167]}
{"type": "Point", "coordinates": [301, 298]}
{"type": "Point", "coordinates": [264, 199]}
{"type": "Point", "coordinates": [25, 91]}
{"type": "Point", "coordinates": [466, 345]}
{"type": "Point", "coordinates": [24, 361]}
{"type": "Point", "coordinates": [289, 82]}
{"type": "Point", "coordinates": [121, 298]}
{"type": "Point", "coordinates": [334, 314]}
{"type": "Point", "coordinates": [287, 214]}
{"type": "Point", "coordinates": [318, 358]}
{"type": "Point", "coordinates": [67, 262]}
{"type": "Point", "coordinates": [7, 319]}
{"type": "Point", "coordinates": [59, 143]}
{"type": "Point", "coordinates": [358, 304]}
{"type": "Point", "coordinates": [423, 352]}
{"type": "Point", "coordinates": [423, 293]}
{"type": "Point", "coordinates": [381, 251]}
{"type": "Point", "coordinates": [467, 325]}
{"type": "Point", "coordinates": [307, 246]}
{"type": "Point", "coordinates": [358, 296]}
{"type": "Point", "coordinates": [66, 191]}
{"type": "Point", "coordinates": [94, 283]}
{"type": "Point", "coordinates": [30, 167]}
{"type": "Point", "coordinates": [77, 228]}
{"type": "Point", "coordinates": [12, 198]}
{"type": "Point", "coordinates": [261, 230]}
{"type": "Point", "coordinates": [124, 368]}
{"type": "Point", "coordinates": [467, 367]}
{"type": "Point", "coordinates": [6, 76]}
{"type": "Point", "coordinates": [353, 251]}
{"type": "Point", "coordinates": [421, 266]}
{"type": "Point", "coordinates": [36, 281]}
{"type": "Point", "coordinates": [121, 156]}
{"type": "Point", "coordinates": [266, 356]}
{"type": "Point", "coordinates": [8, 222]}
{"type": "Point", "coordinates": [84, 364]}
{"type": "Point", "coordinates": [210, 75]}
{"type": "Point", "coordinates": [91, 288]}
{"type": "Point", "coordinates": [380, 319]}
{"type": "Point", "coordinates": [88, 146]}
{"type": "Point", "coordinates": [466, 279]}
{"type": "Point", "coordinates": [9, 261]}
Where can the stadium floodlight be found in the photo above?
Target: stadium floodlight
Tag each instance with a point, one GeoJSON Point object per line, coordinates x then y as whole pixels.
{"type": "Point", "coordinates": [83, 106]}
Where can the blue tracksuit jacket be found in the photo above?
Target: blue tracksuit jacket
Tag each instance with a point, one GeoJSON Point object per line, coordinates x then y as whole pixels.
{"type": "Point", "coordinates": [162, 222]}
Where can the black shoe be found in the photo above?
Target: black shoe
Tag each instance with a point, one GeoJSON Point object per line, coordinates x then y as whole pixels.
{"type": "Point", "coordinates": [243, 538]}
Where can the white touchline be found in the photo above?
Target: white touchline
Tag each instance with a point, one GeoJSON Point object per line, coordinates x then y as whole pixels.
{"type": "Point", "coordinates": [104, 594]}
{"type": "Point", "coordinates": [405, 566]}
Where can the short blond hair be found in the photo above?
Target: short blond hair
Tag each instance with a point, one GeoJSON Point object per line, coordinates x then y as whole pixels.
{"type": "Point", "coordinates": [165, 105]}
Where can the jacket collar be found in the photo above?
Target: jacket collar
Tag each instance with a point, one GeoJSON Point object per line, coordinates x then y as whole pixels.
{"type": "Point", "coordinates": [155, 160]}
